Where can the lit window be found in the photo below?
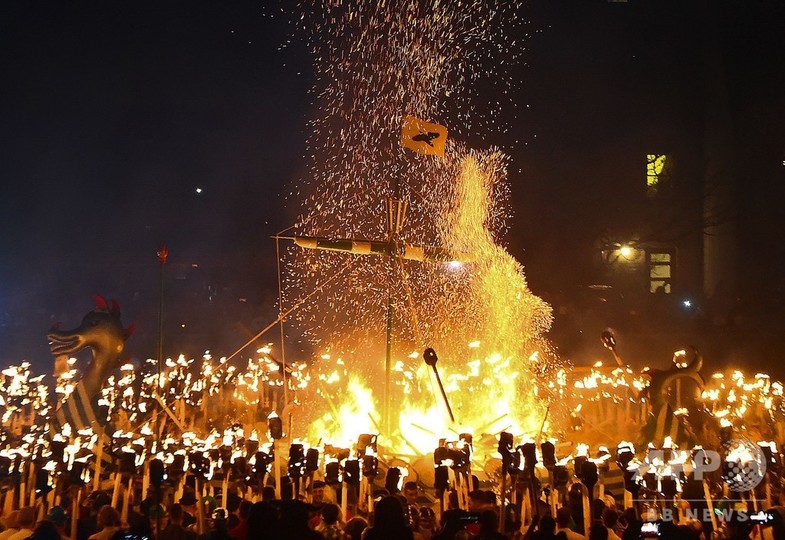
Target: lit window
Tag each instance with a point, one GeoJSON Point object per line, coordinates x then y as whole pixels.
{"type": "Point", "coordinates": [655, 172]}
{"type": "Point", "coordinates": [660, 273]}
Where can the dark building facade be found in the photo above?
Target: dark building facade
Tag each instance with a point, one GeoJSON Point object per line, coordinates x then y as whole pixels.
{"type": "Point", "coordinates": [675, 116]}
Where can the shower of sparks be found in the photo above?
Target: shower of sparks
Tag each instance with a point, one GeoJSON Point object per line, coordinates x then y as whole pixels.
{"type": "Point", "coordinates": [375, 63]}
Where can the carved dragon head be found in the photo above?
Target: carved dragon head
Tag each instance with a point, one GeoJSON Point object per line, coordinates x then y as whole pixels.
{"type": "Point", "coordinates": [102, 331]}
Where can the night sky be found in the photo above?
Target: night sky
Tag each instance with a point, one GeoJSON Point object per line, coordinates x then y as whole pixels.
{"type": "Point", "coordinates": [113, 114]}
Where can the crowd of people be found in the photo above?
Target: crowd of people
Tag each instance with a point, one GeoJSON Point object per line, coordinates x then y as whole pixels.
{"type": "Point", "coordinates": [406, 515]}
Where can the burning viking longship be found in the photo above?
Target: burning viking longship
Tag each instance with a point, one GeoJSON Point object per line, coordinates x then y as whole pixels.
{"type": "Point", "coordinates": [216, 425]}
{"type": "Point", "coordinates": [214, 399]}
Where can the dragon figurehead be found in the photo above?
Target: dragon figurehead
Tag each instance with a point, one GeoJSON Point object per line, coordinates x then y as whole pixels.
{"type": "Point", "coordinates": [102, 331]}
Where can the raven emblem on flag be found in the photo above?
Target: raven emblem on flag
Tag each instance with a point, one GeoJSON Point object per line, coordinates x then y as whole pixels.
{"type": "Point", "coordinates": [423, 137]}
